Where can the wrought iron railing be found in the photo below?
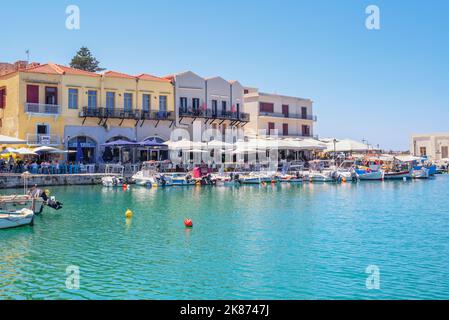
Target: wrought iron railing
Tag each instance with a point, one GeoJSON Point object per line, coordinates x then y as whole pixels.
{"type": "Point", "coordinates": [212, 114]}
{"type": "Point", "coordinates": [288, 115]}
{"type": "Point", "coordinates": [121, 113]}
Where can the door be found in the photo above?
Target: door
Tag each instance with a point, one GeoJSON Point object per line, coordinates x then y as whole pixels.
{"type": "Point", "coordinates": [270, 128]}
{"type": "Point", "coordinates": [285, 110]}
{"type": "Point", "coordinates": [214, 108]}
{"type": "Point", "coordinates": [51, 95]}
{"type": "Point", "coordinates": [285, 129]}
{"type": "Point", "coordinates": [304, 112]}
{"type": "Point", "coordinates": [305, 131]}
{"type": "Point", "coordinates": [32, 94]}
{"type": "Point", "coordinates": [444, 152]}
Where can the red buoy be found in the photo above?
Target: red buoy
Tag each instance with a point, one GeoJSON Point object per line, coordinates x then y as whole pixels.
{"type": "Point", "coordinates": [188, 223]}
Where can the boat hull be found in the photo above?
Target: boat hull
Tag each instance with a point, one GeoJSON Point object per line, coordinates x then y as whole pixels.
{"type": "Point", "coordinates": [374, 175]}
{"type": "Point", "coordinates": [16, 219]}
{"type": "Point", "coordinates": [397, 175]}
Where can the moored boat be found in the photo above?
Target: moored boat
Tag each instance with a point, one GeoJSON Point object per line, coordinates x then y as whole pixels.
{"type": "Point", "coordinates": [112, 181]}
{"type": "Point", "coordinates": [16, 218]}
{"type": "Point", "coordinates": [369, 174]}
{"type": "Point", "coordinates": [14, 202]}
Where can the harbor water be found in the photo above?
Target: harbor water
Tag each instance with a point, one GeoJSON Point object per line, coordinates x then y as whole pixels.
{"type": "Point", "coordinates": [310, 241]}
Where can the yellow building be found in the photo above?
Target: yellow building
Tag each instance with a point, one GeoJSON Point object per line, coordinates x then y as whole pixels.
{"type": "Point", "coordinates": [59, 106]}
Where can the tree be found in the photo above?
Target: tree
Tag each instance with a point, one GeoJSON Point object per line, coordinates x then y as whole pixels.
{"type": "Point", "coordinates": [84, 60]}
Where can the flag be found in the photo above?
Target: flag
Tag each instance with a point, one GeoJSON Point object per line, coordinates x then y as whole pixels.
{"type": "Point", "coordinates": [234, 110]}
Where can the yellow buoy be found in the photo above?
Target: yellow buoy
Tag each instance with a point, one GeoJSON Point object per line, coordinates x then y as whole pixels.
{"type": "Point", "coordinates": [129, 214]}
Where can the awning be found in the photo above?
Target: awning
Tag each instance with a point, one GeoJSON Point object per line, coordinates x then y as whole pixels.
{"type": "Point", "coordinates": [10, 140]}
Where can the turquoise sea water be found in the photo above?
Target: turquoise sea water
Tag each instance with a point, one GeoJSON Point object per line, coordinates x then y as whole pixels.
{"type": "Point", "coordinates": [311, 241]}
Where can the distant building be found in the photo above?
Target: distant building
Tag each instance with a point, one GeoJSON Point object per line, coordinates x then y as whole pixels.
{"type": "Point", "coordinates": [290, 116]}
{"type": "Point", "coordinates": [210, 103]}
{"type": "Point", "coordinates": [435, 146]}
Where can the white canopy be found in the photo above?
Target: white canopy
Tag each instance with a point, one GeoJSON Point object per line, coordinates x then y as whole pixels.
{"type": "Point", "coordinates": [184, 144]}
{"type": "Point", "coordinates": [25, 151]}
{"type": "Point", "coordinates": [45, 149]}
{"type": "Point", "coordinates": [10, 140]}
{"type": "Point", "coordinates": [8, 150]}
{"type": "Point", "coordinates": [408, 158]}
{"type": "Point", "coordinates": [216, 144]}
{"type": "Point", "coordinates": [346, 145]}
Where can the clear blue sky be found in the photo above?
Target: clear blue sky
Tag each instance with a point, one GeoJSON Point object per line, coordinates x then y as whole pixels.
{"type": "Point", "coordinates": [379, 85]}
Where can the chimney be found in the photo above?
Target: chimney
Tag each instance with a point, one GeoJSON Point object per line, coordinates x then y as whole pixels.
{"type": "Point", "coordinates": [33, 64]}
{"type": "Point", "coordinates": [20, 65]}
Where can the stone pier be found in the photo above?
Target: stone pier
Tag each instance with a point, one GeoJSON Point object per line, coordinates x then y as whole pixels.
{"type": "Point", "coordinates": [16, 180]}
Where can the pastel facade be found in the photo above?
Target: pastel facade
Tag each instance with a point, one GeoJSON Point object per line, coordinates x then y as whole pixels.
{"type": "Point", "coordinates": [208, 103]}
{"type": "Point", "coordinates": [59, 106]}
{"type": "Point", "coordinates": [435, 146]}
{"type": "Point", "coordinates": [290, 116]}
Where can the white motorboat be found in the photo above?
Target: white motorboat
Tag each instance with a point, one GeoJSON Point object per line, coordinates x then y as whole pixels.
{"type": "Point", "coordinates": [16, 218]}
{"type": "Point", "coordinates": [256, 178]}
{"type": "Point", "coordinates": [422, 173]}
{"type": "Point", "coordinates": [369, 175]}
{"type": "Point", "coordinates": [290, 178]}
{"type": "Point", "coordinates": [323, 176]}
{"type": "Point", "coordinates": [180, 179]}
{"type": "Point", "coordinates": [112, 181]}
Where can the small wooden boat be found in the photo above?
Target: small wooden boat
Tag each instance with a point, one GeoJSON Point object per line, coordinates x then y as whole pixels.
{"type": "Point", "coordinates": [16, 202]}
{"type": "Point", "coordinates": [390, 175]}
{"type": "Point", "coordinates": [16, 218]}
{"type": "Point", "coordinates": [369, 174]}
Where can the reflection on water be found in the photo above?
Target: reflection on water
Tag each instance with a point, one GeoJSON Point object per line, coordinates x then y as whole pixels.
{"type": "Point", "coordinates": [257, 242]}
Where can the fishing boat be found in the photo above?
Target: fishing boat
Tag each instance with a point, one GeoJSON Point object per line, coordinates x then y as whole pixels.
{"type": "Point", "coordinates": [323, 176]}
{"type": "Point", "coordinates": [346, 171]}
{"type": "Point", "coordinates": [290, 178]}
{"type": "Point", "coordinates": [257, 178]}
{"type": "Point", "coordinates": [13, 219]}
{"type": "Point", "coordinates": [398, 174]}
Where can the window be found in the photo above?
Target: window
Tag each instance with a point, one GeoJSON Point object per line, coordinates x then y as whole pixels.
{"type": "Point", "coordinates": [285, 129]}
{"type": "Point", "coordinates": [183, 102]}
{"type": "Point", "coordinates": [162, 103]}
{"type": "Point", "coordinates": [110, 100]}
{"type": "Point", "coordinates": [238, 108]}
{"type": "Point", "coordinates": [92, 99]}
{"type": "Point", "coordinates": [128, 101]}
{"type": "Point", "coordinates": [223, 107]}
{"type": "Point", "coordinates": [195, 103]}
{"type": "Point", "coordinates": [146, 102]}
{"type": "Point", "coordinates": [42, 129]}
{"type": "Point", "coordinates": [423, 151]}
{"type": "Point", "coordinates": [245, 91]}
{"type": "Point", "coordinates": [32, 93]}
{"type": "Point", "coordinates": [2, 98]}
{"type": "Point", "coordinates": [73, 98]}
{"type": "Point", "coordinates": [266, 107]}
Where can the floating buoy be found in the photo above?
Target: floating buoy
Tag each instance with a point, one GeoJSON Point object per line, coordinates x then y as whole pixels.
{"type": "Point", "coordinates": [343, 179]}
{"type": "Point", "coordinates": [404, 178]}
{"type": "Point", "coordinates": [188, 223]}
{"type": "Point", "coordinates": [273, 181]}
{"type": "Point", "coordinates": [125, 186]}
{"type": "Point", "coordinates": [128, 214]}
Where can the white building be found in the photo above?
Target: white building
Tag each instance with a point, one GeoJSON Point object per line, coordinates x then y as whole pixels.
{"type": "Point", "coordinates": [435, 146]}
{"type": "Point", "coordinates": [207, 102]}
{"type": "Point", "coordinates": [290, 116]}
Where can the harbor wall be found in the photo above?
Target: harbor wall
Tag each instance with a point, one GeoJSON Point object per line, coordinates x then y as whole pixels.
{"type": "Point", "coordinates": [16, 180]}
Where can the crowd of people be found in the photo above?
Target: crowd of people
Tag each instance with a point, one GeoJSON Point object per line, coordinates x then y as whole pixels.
{"type": "Point", "coordinates": [37, 166]}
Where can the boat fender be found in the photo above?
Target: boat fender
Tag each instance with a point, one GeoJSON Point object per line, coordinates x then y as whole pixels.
{"type": "Point", "coordinates": [128, 214]}
{"type": "Point", "coordinates": [188, 223]}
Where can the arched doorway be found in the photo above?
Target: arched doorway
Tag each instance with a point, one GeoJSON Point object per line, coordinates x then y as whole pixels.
{"type": "Point", "coordinates": [118, 154]}
{"type": "Point", "coordinates": [87, 146]}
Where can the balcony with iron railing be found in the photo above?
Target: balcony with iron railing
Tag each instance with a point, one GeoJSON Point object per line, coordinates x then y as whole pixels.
{"type": "Point", "coordinates": [288, 115]}
{"type": "Point", "coordinates": [298, 135]}
{"type": "Point", "coordinates": [212, 114]}
{"type": "Point", "coordinates": [43, 139]}
{"type": "Point", "coordinates": [121, 113]}
{"type": "Point", "coordinates": [42, 109]}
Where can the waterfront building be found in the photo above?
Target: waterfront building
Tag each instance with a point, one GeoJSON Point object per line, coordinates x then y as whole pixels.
{"type": "Point", "coordinates": [207, 103]}
{"type": "Point", "coordinates": [292, 117]}
{"type": "Point", "coordinates": [58, 106]}
{"type": "Point", "coordinates": [435, 146]}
